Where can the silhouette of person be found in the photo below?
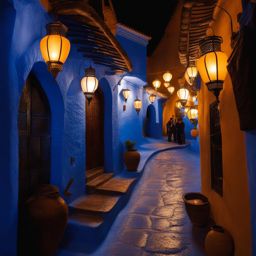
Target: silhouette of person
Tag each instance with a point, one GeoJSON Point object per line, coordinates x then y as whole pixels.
{"type": "Point", "coordinates": [171, 129]}
{"type": "Point", "coordinates": [180, 129]}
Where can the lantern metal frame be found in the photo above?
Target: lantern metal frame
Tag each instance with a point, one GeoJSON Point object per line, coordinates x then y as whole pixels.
{"type": "Point", "coordinates": [55, 28]}
{"type": "Point", "coordinates": [137, 109]}
{"type": "Point", "coordinates": [123, 93]}
{"type": "Point", "coordinates": [191, 79]}
{"type": "Point", "coordinates": [90, 72]}
{"type": "Point", "coordinates": [212, 44]}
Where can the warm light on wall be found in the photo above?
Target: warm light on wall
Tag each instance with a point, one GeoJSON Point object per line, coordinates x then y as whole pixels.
{"type": "Point", "coordinates": [183, 95]}
{"type": "Point", "coordinates": [212, 65]}
{"type": "Point", "coordinates": [156, 83]}
{"type": "Point", "coordinates": [171, 89]}
{"type": "Point", "coordinates": [167, 76]}
{"type": "Point", "coordinates": [126, 93]}
{"type": "Point", "coordinates": [152, 98]}
{"type": "Point", "coordinates": [55, 47]}
{"type": "Point", "coordinates": [89, 83]}
{"type": "Point", "coordinates": [137, 105]}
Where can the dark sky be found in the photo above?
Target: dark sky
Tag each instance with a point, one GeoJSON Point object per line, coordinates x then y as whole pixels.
{"type": "Point", "coordinates": [147, 16]}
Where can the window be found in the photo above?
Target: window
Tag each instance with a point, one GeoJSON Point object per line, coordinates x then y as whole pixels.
{"type": "Point", "coordinates": [216, 149]}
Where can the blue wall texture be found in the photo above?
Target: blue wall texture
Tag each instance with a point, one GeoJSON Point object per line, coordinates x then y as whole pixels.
{"type": "Point", "coordinates": [22, 25]}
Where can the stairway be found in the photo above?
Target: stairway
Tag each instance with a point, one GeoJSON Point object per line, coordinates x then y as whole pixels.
{"type": "Point", "coordinates": [91, 215]}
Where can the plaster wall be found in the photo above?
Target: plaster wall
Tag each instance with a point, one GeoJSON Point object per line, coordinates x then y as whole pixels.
{"type": "Point", "coordinates": [232, 211]}
{"type": "Point", "coordinates": [22, 26]}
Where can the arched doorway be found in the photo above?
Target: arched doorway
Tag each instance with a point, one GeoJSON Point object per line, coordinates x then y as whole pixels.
{"type": "Point", "coordinates": [95, 131]}
{"type": "Point", "coordinates": [34, 123]}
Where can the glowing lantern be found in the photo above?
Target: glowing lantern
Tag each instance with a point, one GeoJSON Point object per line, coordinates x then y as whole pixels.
{"type": "Point", "coordinates": [178, 104]}
{"type": "Point", "coordinates": [126, 93]}
{"type": "Point", "coordinates": [166, 84]}
{"type": "Point", "coordinates": [183, 95]}
{"type": "Point", "coordinates": [89, 83]}
{"type": "Point", "coordinates": [137, 105]}
{"type": "Point", "coordinates": [212, 65]}
{"type": "Point", "coordinates": [156, 83]}
{"type": "Point", "coordinates": [55, 47]}
{"type": "Point", "coordinates": [186, 110]}
{"type": "Point", "coordinates": [167, 76]}
{"type": "Point", "coordinates": [152, 98]}
{"type": "Point", "coordinates": [171, 89]}
{"type": "Point", "coordinates": [191, 73]}
{"type": "Point", "coordinates": [193, 114]}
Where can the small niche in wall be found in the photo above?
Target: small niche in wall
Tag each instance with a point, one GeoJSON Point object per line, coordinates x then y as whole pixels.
{"type": "Point", "coordinates": [216, 149]}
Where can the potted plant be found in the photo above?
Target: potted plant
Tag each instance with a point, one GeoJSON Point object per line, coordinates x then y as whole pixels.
{"type": "Point", "coordinates": [131, 156]}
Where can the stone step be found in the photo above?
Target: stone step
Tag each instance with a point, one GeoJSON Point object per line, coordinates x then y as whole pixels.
{"type": "Point", "coordinates": [116, 185]}
{"type": "Point", "coordinates": [102, 178]}
{"type": "Point", "coordinates": [92, 221]}
{"type": "Point", "coordinates": [93, 173]}
{"type": "Point", "coordinates": [94, 204]}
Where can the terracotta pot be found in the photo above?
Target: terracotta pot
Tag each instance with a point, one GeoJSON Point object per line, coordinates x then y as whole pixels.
{"type": "Point", "coordinates": [131, 160]}
{"type": "Point", "coordinates": [194, 133]}
{"type": "Point", "coordinates": [47, 216]}
{"type": "Point", "coordinates": [219, 242]}
{"type": "Point", "coordinates": [198, 208]}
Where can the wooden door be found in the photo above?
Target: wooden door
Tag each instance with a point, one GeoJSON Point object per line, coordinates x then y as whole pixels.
{"type": "Point", "coordinates": [95, 131]}
{"type": "Point", "coordinates": [34, 149]}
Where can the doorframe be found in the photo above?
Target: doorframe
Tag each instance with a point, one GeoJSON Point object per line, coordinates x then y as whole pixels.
{"type": "Point", "coordinates": [52, 91]}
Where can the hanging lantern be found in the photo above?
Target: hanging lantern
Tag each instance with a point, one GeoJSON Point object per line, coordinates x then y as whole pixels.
{"type": "Point", "coordinates": [126, 93]}
{"type": "Point", "coordinates": [152, 98]}
{"type": "Point", "coordinates": [55, 47]}
{"type": "Point", "coordinates": [156, 83]}
{"type": "Point", "coordinates": [167, 76]}
{"type": "Point", "coordinates": [167, 84]}
{"type": "Point", "coordinates": [178, 104]}
{"type": "Point", "coordinates": [137, 105]}
{"type": "Point", "coordinates": [191, 73]}
{"type": "Point", "coordinates": [89, 83]}
{"type": "Point", "coordinates": [183, 95]}
{"type": "Point", "coordinates": [171, 89]}
{"type": "Point", "coordinates": [193, 116]}
{"type": "Point", "coordinates": [212, 65]}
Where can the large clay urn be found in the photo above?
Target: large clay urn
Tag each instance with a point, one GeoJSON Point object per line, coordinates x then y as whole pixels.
{"type": "Point", "coordinates": [198, 208]}
{"type": "Point", "coordinates": [47, 217]}
{"type": "Point", "coordinates": [219, 242]}
{"type": "Point", "coordinates": [132, 159]}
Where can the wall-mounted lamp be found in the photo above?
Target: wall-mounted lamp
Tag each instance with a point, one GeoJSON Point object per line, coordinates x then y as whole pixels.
{"type": "Point", "coordinates": [137, 105]}
{"type": "Point", "coordinates": [212, 65]}
{"type": "Point", "coordinates": [152, 98]}
{"type": "Point", "coordinates": [89, 83]}
{"type": "Point", "coordinates": [55, 47]}
{"type": "Point", "coordinates": [183, 95]}
{"type": "Point", "coordinates": [156, 83]}
{"type": "Point", "coordinates": [126, 93]}
{"type": "Point", "coordinates": [178, 104]}
{"type": "Point", "coordinates": [171, 89]}
{"type": "Point", "coordinates": [191, 73]}
{"type": "Point", "coordinates": [193, 115]}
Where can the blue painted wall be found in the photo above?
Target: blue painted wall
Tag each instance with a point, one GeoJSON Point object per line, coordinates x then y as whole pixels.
{"type": "Point", "coordinates": [22, 27]}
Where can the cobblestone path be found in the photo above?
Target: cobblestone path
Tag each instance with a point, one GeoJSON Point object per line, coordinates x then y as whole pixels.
{"type": "Point", "coordinates": [155, 222]}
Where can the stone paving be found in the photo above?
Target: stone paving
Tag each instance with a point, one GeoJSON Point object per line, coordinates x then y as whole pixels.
{"type": "Point", "coordinates": [155, 222]}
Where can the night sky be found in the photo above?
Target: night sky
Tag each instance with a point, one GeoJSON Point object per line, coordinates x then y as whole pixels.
{"type": "Point", "coordinates": [147, 16]}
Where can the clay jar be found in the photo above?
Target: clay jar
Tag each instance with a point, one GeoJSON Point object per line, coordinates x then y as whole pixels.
{"type": "Point", "coordinates": [132, 159]}
{"type": "Point", "coordinates": [47, 217]}
{"type": "Point", "coordinates": [219, 242]}
{"type": "Point", "coordinates": [198, 208]}
{"type": "Point", "coordinates": [194, 133]}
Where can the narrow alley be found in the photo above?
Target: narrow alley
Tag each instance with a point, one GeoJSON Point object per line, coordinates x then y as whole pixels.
{"type": "Point", "coordinates": [154, 222]}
